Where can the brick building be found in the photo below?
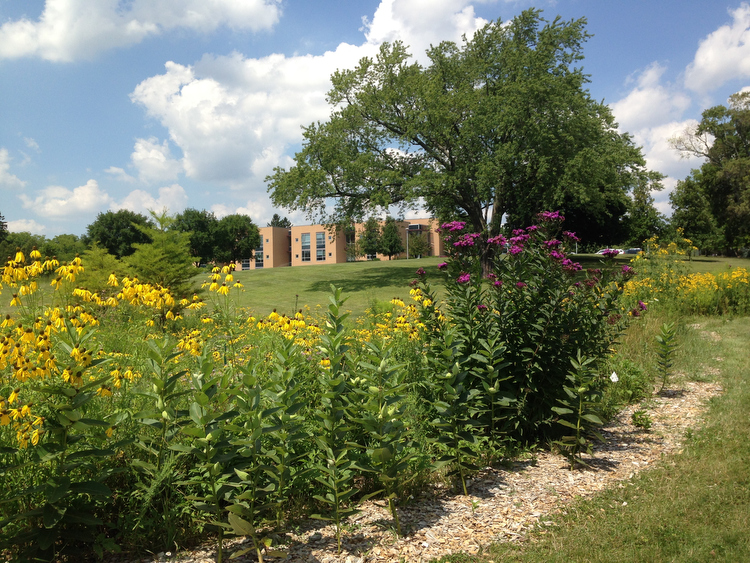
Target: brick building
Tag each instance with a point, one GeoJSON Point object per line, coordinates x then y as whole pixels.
{"type": "Point", "coordinates": [307, 245]}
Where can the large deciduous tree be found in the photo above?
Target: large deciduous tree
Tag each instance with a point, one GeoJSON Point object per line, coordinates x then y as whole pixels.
{"type": "Point", "coordinates": [715, 200]}
{"type": "Point", "coordinates": [202, 228]}
{"type": "Point", "coordinates": [237, 236]}
{"type": "Point", "coordinates": [117, 231]}
{"type": "Point", "coordinates": [500, 125]}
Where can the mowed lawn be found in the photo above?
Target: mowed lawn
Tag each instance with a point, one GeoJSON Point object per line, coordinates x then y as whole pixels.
{"type": "Point", "coordinates": [364, 284]}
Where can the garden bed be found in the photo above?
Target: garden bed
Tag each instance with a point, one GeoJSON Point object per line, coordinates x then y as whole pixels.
{"type": "Point", "coordinates": [503, 504]}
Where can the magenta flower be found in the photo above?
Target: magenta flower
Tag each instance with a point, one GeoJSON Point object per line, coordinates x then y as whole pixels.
{"type": "Point", "coordinates": [442, 265]}
{"type": "Point", "coordinates": [572, 236]}
{"type": "Point", "coordinates": [554, 243]}
{"type": "Point", "coordinates": [627, 270]}
{"type": "Point", "coordinates": [464, 278]}
{"type": "Point", "coordinates": [610, 253]}
{"type": "Point", "coordinates": [642, 306]}
{"type": "Point", "coordinates": [570, 266]}
{"type": "Point", "coordinates": [548, 216]}
{"type": "Point", "coordinates": [520, 285]}
{"type": "Point", "coordinates": [513, 250]}
{"type": "Point", "coordinates": [517, 232]}
{"type": "Point", "coordinates": [498, 283]}
{"type": "Point", "coordinates": [556, 254]}
{"type": "Point", "coordinates": [481, 307]}
{"type": "Point", "coordinates": [452, 226]}
{"type": "Point", "coordinates": [499, 240]}
{"type": "Point", "coordinates": [467, 240]}
{"type": "Point", "coordinates": [532, 228]}
{"type": "Point", "coordinates": [421, 272]}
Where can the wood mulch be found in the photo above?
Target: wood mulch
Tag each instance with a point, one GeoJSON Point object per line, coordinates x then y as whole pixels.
{"type": "Point", "coordinates": [502, 503]}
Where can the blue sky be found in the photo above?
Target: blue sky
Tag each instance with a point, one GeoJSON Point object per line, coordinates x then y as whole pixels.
{"type": "Point", "coordinates": [146, 104]}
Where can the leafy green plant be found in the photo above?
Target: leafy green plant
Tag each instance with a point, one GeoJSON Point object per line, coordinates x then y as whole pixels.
{"type": "Point", "coordinates": [62, 505]}
{"type": "Point", "coordinates": [209, 446]}
{"type": "Point", "coordinates": [380, 393]}
{"type": "Point", "coordinates": [580, 410]}
{"type": "Point", "coordinates": [641, 419]}
{"type": "Point", "coordinates": [666, 350]}
{"type": "Point", "coordinates": [333, 466]}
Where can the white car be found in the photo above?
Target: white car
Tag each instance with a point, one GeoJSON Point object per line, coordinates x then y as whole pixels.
{"type": "Point", "coordinates": [603, 250]}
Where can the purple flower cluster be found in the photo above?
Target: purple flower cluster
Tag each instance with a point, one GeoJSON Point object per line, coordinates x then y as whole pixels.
{"type": "Point", "coordinates": [572, 236]}
{"type": "Point", "coordinates": [452, 226]}
{"type": "Point", "coordinates": [557, 255]}
{"type": "Point", "coordinates": [498, 240]}
{"type": "Point", "coordinates": [610, 253]}
{"type": "Point", "coordinates": [481, 307]}
{"type": "Point", "coordinates": [464, 278]}
{"type": "Point", "coordinates": [548, 216]}
{"type": "Point", "coordinates": [570, 266]}
{"type": "Point", "coordinates": [421, 272]}
{"type": "Point", "coordinates": [466, 240]}
{"type": "Point", "coordinates": [554, 243]}
{"type": "Point", "coordinates": [627, 270]}
{"type": "Point", "coordinates": [520, 285]}
{"type": "Point", "coordinates": [442, 265]}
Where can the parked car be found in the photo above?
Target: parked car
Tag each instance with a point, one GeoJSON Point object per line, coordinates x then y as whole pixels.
{"type": "Point", "coordinates": [633, 250]}
{"type": "Point", "coordinates": [603, 250]}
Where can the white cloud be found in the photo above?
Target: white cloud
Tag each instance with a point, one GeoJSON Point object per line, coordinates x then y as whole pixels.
{"type": "Point", "coordinates": [31, 143]}
{"type": "Point", "coordinates": [235, 117]}
{"type": "Point", "coordinates": [72, 29]}
{"type": "Point", "coordinates": [8, 180]}
{"type": "Point", "coordinates": [57, 201]}
{"type": "Point", "coordinates": [154, 161]}
{"type": "Point", "coordinates": [173, 198]}
{"type": "Point", "coordinates": [26, 226]}
{"type": "Point", "coordinates": [649, 101]}
{"type": "Point", "coordinates": [421, 23]}
{"type": "Point", "coordinates": [120, 174]}
{"type": "Point", "coordinates": [722, 56]}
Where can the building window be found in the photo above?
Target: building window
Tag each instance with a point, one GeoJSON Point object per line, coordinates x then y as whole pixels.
{"type": "Point", "coordinates": [259, 256]}
{"type": "Point", "coordinates": [305, 247]}
{"type": "Point", "coordinates": [320, 246]}
{"type": "Point", "coordinates": [245, 263]}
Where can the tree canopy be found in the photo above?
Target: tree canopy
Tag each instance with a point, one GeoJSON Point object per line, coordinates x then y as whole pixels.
{"type": "Point", "coordinates": [117, 231]}
{"type": "Point", "coordinates": [201, 227]}
{"type": "Point", "coordinates": [165, 259]}
{"type": "Point", "coordinates": [3, 228]}
{"type": "Point", "coordinates": [278, 221]}
{"type": "Point", "coordinates": [712, 205]}
{"type": "Point", "coordinates": [500, 125]}
{"type": "Point", "coordinates": [390, 238]}
{"type": "Point", "coordinates": [236, 238]}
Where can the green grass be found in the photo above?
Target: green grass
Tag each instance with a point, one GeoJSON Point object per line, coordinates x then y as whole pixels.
{"type": "Point", "coordinates": [693, 507]}
{"type": "Point", "coordinates": [364, 283]}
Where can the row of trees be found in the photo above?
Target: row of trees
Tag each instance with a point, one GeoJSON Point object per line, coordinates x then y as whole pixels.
{"type": "Point", "coordinates": [712, 205]}
{"type": "Point", "coordinates": [120, 232]}
{"type": "Point", "coordinates": [386, 239]}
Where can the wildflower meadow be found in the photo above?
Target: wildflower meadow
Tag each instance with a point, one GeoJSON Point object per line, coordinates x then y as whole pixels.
{"type": "Point", "coordinates": [133, 419]}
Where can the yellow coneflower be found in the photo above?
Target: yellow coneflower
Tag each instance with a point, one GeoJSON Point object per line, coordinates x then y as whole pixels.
{"type": "Point", "coordinates": [112, 280]}
{"type": "Point", "coordinates": [35, 255]}
{"type": "Point", "coordinates": [223, 290]}
{"type": "Point", "coordinates": [20, 258]}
